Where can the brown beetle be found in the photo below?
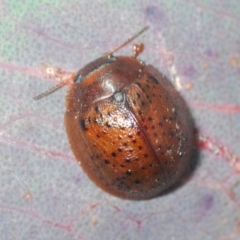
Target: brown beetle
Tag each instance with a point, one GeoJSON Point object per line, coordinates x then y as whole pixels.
{"type": "Point", "coordinates": [128, 127]}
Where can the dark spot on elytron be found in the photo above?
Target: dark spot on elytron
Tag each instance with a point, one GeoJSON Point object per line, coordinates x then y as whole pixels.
{"type": "Point", "coordinates": [151, 165]}
{"type": "Point", "coordinates": [108, 124]}
{"type": "Point", "coordinates": [138, 133]}
{"type": "Point", "coordinates": [106, 162]}
{"type": "Point", "coordinates": [139, 84]}
{"type": "Point", "coordinates": [143, 103]}
{"type": "Point", "coordinates": [164, 118]}
{"type": "Point", "coordinates": [137, 181]}
{"type": "Point", "coordinates": [92, 157]}
{"type": "Point", "coordinates": [166, 162]}
{"type": "Point", "coordinates": [122, 165]}
{"type": "Point", "coordinates": [138, 95]}
{"type": "Point", "coordinates": [153, 79]}
{"type": "Point", "coordinates": [83, 124]}
{"type": "Point", "coordinates": [97, 135]}
{"type": "Point", "coordinates": [155, 134]}
{"type": "Point", "coordinates": [97, 109]}
{"type": "Point", "coordinates": [120, 149]}
{"type": "Point", "coordinates": [147, 86]}
{"type": "Point", "coordinates": [134, 141]}
{"type": "Point", "coordinates": [140, 112]}
{"type": "Point", "coordinates": [171, 134]}
{"type": "Point", "coordinates": [156, 173]}
{"type": "Point", "coordinates": [160, 124]}
{"type": "Point", "coordinates": [125, 144]}
{"type": "Point", "coordinates": [146, 127]}
{"type": "Point", "coordinates": [114, 154]}
{"type": "Point", "coordinates": [150, 119]}
{"type": "Point", "coordinates": [114, 165]}
{"type": "Point", "coordinates": [131, 150]}
{"type": "Point", "coordinates": [140, 147]}
{"type": "Point", "coordinates": [130, 135]}
{"type": "Point", "coordinates": [128, 173]}
{"type": "Point", "coordinates": [145, 155]}
{"type": "Point", "coordinates": [153, 127]}
{"type": "Point", "coordinates": [143, 168]}
{"type": "Point", "coordinates": [127, 160]}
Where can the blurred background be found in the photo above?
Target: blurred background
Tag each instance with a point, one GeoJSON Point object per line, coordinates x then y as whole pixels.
{"type": "Point", "coordinates": [44, 194]}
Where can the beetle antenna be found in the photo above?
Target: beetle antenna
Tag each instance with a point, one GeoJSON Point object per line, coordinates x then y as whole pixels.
{"type": "Point", "coordinates": [63, 76]}
{"type": "Point", "coordinates": [51, 90]}
{"type": "Point", "coordinates": [127, 41]}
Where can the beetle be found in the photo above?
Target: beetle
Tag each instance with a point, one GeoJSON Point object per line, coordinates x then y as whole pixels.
{"type": "Point", "coordinates": [127, 126]}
